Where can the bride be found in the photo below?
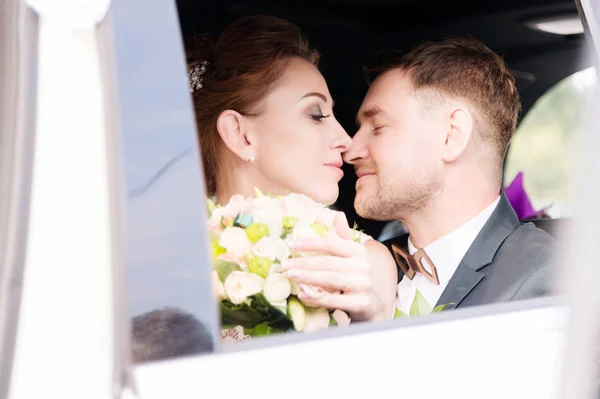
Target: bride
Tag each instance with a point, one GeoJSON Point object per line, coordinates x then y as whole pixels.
{"type": "Point", "coordinates": [264, 117]}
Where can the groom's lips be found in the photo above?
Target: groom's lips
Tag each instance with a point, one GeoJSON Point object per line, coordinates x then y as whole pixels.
{"type": "Point", "coordinates": [361, 175]}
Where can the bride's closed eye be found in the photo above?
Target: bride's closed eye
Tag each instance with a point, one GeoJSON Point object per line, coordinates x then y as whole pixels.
{"type": "Point", "coordinates": [316, 114]}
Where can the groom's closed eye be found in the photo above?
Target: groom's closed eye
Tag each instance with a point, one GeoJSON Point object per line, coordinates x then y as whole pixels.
{"type": "Point", "coordinates": [369, 115]}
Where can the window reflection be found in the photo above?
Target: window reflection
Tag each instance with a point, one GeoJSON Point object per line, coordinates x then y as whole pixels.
{"type": "Point", "coordinates": [167, 264]}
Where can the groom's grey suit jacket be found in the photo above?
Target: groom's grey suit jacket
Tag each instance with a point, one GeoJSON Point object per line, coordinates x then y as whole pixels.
{"type": "Point", "coordinates": [507, 261]}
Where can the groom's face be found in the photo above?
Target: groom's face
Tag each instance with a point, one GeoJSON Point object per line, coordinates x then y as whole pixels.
{"type": "Point", "coordinates": [396, 151]}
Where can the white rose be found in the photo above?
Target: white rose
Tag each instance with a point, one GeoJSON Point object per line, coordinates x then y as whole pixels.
{"type": "Point", "coordinates": [277, 288]}
{"type": "Point", "coordinates": [217, 285]}
{"type": "Point", "coordinates": [272, 248]}
{"type": "Point", "coordinates": [272, 218]}
{"type": "Point", "coordinates": [240, 285]}
{"type": "Point", "coordinates": [235, 241]}
{"type": "Point", "coordinates": [316, 319]}
{"type": "Point", "coordinates": [303, 230]}
{"type": "Point", "coordinates": [300, 206]}
{"type": "Point", "coordinates": [326, 217]}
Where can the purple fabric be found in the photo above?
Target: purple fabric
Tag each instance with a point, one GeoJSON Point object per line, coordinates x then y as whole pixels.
{"type": "Point", "coordinates": [518, 198]}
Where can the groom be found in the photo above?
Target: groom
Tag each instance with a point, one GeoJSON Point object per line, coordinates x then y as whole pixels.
{"type": "Point", "coordinates": [434, 129]}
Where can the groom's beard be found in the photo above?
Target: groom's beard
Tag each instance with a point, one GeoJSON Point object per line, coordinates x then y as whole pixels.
{"type": "Point", "coordinates": [397, 197]}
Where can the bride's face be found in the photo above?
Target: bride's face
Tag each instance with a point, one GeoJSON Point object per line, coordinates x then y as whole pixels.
{"type": "Point", "coordinates": [298, 143]}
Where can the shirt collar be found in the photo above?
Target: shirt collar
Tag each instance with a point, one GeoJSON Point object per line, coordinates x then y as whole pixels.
{"type": "Point", "coordinates": [447, 252]}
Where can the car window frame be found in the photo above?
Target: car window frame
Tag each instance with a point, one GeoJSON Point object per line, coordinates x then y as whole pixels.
{"type": "Point", "coordinates": [18, 56]}
{"type": "Point", "coordinates": [296, 338]}
{"type": "Point", "coordinates": [364, 328]}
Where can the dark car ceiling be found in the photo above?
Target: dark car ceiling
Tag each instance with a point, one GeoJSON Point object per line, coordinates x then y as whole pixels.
{"type": "Point", "coordinates": [349, 32]}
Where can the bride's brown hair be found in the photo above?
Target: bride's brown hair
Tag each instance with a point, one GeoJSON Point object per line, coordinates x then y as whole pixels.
{"type": "Point", "coordinates": [243, 66]}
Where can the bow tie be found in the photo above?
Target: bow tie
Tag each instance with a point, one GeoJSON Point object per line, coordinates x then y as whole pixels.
{"type": "Point", "coordinates": [411, 264]}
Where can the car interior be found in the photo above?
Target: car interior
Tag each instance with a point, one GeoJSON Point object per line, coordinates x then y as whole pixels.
{"type": "Point", "coordinates": [350, 32]}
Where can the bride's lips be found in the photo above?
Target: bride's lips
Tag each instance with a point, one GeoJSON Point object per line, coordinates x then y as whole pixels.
{"type": "Point", "coordinates": [336, 167]}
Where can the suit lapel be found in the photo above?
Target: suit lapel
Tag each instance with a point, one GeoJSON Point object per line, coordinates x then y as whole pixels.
{"type": "Point", "coordinates": [460, 285]}
{"type": "Point", "coordinates": [481, 253]}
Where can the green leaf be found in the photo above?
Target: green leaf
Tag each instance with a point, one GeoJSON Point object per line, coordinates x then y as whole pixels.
{"type": "Point", "coordinates": [226, 222]}
{"type": "Point", "coordinates": [224, 269]}
{"type": "Point", "coordinates": [264, 329]}
{"type": "Point", "coordinates": [216, 250]}
{"type": "Point", "coordinates": [332, 321]}
{"type": "Point", "coordinates": [258, 193]}
{"type": "Point", "coordinates": [398, 314]}
{"type": "Point", "coordinates": [254, 312]}
{"type": "Point", "coordinates": [419, 306]}
{"type": "Point", "coordinates": [439, 308]}
{"type": "Point", "coordinates": [242, 315]}
{"type": "Point", "coordinates": [285, 233]}
{"type": "Point", "coordinates": [356, 233]}
{"type": "Point", "coordinates": [211, 206]}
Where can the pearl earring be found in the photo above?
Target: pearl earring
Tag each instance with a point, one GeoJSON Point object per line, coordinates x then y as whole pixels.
{"type": "Point", "coordinates": [250, 159]}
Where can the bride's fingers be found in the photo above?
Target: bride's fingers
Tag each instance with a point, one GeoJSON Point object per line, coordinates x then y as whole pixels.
{"type": "Point", "coordinates": [340, 222]}
{"type": "Point", "coordinates": [331, 280]}
{"type": "Point", "coordinates": [327, 263]}
{"type": "Point", "coordinates": [353, 303]}
{"type": "Point", "coordinates": [331, 245]}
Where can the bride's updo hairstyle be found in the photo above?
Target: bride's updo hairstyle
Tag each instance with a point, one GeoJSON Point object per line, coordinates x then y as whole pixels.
{"type": "Point", "coordinates": [235, 72]}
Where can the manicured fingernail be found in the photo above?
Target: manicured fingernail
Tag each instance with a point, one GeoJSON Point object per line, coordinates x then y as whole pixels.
{"type": "Point", "coordinates": [310, 295]}
{"type": "Point", "coordinates": [293, 273]}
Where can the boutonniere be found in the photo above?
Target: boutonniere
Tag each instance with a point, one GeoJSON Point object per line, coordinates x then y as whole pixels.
{"type": "Point", "coordinates": [420, 307]}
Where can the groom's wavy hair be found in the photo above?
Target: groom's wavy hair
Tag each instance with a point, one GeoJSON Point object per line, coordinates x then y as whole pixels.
{"type": "Point", "coordinates": [466, 69]}
{"type": "Point", "coordinates": [243, 66]}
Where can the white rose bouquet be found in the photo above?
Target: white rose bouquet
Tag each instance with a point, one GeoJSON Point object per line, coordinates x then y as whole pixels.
{"type": "Point", "coordinates": [249, 238]}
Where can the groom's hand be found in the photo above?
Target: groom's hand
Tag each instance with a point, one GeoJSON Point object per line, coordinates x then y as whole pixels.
{"type": "Point", "coordinates": [344, 270]}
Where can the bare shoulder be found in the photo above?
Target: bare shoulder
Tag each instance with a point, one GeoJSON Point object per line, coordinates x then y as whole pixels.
{"type": "Point", "coordinates": [378, 251]}
{"type": "Point", "coordinates": [375, 246]}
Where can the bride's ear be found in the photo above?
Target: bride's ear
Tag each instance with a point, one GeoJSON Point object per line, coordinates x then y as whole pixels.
{"type": "Point", "coordinates": [233, 129]}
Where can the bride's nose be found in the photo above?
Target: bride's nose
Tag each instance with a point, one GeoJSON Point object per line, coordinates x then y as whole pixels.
{"type": "Point", "coordinates": [342, 140]}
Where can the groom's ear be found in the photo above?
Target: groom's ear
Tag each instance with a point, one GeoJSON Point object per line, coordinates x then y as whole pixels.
{"type": "Point", "coordinates": [233, 129]}
{"type": "Point", "coordinates": [459, 125]}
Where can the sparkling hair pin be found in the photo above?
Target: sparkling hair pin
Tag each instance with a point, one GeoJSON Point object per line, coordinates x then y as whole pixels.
{"type": "Point", "coordinates": [195, 76]}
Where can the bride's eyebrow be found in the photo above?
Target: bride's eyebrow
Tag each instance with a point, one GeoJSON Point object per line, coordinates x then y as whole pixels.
{"type": "Point", "coordinates": [319, 95]}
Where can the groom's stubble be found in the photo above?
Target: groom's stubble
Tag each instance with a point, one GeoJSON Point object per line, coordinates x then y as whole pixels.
{"type": "Point", "coordinates": [399, 196]}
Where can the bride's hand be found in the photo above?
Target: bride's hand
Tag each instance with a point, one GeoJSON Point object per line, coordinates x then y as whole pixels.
{"type": "Point", "coordinates": [364, 274]}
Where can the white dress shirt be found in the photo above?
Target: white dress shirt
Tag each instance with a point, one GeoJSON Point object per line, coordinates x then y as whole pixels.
{"type": "Point", "coordinates": [446, 254]}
